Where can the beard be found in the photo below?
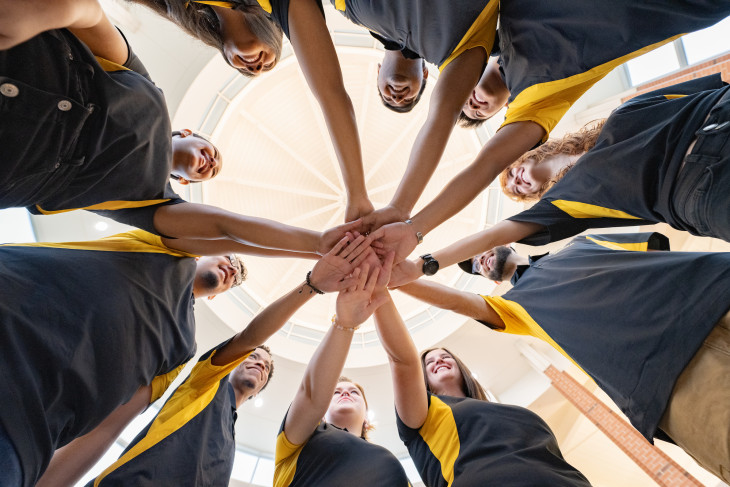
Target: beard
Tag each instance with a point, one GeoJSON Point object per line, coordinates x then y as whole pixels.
{"type": "Point", "coordinates": [501, 254]}
{"type": "Point", "coordinates": [209, 280]}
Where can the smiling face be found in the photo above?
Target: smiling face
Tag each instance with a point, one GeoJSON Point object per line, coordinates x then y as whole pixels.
{"type": "Point", "coordinates": [253, 373]}
{"type": "Point", "coordinates": [400, 80]}
{"type": "Point", "coordinates": [213, 275]}
{"type": "Point", "coordinates": [489, 95]}
{"type": "Point", "coordinates": [243, 48]}
{"type": "Point", "coordinates": [194, 158]}
{"type": "Point", "coordinates": [442, 372]}
{"type": "Point", "coordinates": [530, 177]}
{"type": "Point", "coordinates": [497, 264]}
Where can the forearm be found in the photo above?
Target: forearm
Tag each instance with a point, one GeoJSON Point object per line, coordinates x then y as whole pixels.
{"type": "Point", "coordinates": [395, 338]}
{"type": "Point", "coordinates": [71, 462]}
{"type": "Point", "coordinates": [264, 325]}
{"type": "Point", "coordinates": [196, 221]}
{"type": "Point", "coordinates": [22, 20]}
{"type": "Point", "coordinates": [429, 292]}
{"type": "Point", "coordinates": [226, 247]}
{"type": "Point", "coordinates": [507, 145]}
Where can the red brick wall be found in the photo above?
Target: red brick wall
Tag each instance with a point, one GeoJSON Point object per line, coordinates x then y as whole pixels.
{"type": "Point", "coordinates": [719, 64]}
{"type": "Point", "coordinates": [652, 460]}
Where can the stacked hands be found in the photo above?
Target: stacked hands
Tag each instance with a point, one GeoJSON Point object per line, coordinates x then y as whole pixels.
{"type": "Point", "coordinates": [354, 258]}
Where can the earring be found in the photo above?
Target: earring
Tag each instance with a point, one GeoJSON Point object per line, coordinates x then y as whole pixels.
{"type": "Point", "coordinates": [185, 132]}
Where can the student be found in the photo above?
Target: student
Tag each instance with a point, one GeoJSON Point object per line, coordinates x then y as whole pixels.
{"type": "Point", "coordinates": [550, 55]}
{"type": "Point", "coordinates": [311, 450]}
{"type": "Point", "coordinates": [190, 441]}
{"type": "Point", "coordinates": [86, 132]}
{"type": "Point", "coordinates": [453, 433]}
{"type": "Point", "coordinates": [651, 328]}
{"type": "Point", "coordinates": [241, 30]}
{"type": "Point", "coordinates": [70, 317]}
{"type": "Point", "coordinates": [660, 157]}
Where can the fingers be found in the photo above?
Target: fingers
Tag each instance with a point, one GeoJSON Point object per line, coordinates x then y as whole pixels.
{"type": "Point", "coordinates": [340, 245]}
{"type": "Point", "coordinates": [388, 261]}
{"type": "Point", "coordinates": [356, 247]}
{"type": "Point", "coordinates": [357, 275]}
{"type": "Point", "coordinates": [372, 278]}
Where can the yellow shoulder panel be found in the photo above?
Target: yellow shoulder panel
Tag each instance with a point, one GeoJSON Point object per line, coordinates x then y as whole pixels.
{"type": "Point", "coordinates": [480, 34]}
{"type": "Point", "coordinates": [637, 246]}
{"type": "Point", "coordinates": [162, 382]}
{"type": "Point", "coordinates": [192, 397]}
{"type": "Point", "coordinates": [546, 103]}
{"type": "Point", "coordinates": [285, 460]}
{"type": "Point", "coordinates": [109, 66]}
{"type": "Point", "coordinates": [517, 321]}
{"type": "Point", "coordinates": [440, 434]}
{"type": "Point", "coordinates": [576, 209]}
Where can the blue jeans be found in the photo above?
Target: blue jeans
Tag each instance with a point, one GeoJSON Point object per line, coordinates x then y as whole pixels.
{"type": "Point", "coordinates": [702, 196]}
{"type": "Point", "coordinates": [11, 474]}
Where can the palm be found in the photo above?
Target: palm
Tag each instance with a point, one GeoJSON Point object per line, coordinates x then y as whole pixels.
{"type": "Point", "coordinates": [332, 271]}
{"type": "Point", "coordinates": [355, 304]}
{"type": "Point", "coordinates": [383, 216]}
{"type": "Point", "coordinates": [398, 237]}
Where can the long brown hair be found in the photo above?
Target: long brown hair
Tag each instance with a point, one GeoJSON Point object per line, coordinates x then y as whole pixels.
{"type": "Point", "coordinates": [200, 21]}
{"type": "Point", "coordinates": [472, 388]}
{"type": "Point", "coordinates": [572, 144]}
{"type": "Point", "coordinates": [366, 426]}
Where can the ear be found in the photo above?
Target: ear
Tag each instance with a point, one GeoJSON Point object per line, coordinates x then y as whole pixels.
{"type": "Point", "coordinates": [182, 181]}
{"type": "Point", "coordinates": [185, 132]}
{"type": "Point", "coordinates": [379, 68]}
{"type": "Point", "coordinates": [425, 72]}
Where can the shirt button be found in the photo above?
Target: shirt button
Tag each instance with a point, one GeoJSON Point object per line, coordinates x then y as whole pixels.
{"type": "Point", "coordinates": [9, 90]}
{"type": "Point", "coordinates": [57, 165]}
{"type": "Point", "coordinates": [64, 105]}
{"type": "Point", "coordinates": [707, 128]}
{"type": "Point", "coordinates": [722, 125]}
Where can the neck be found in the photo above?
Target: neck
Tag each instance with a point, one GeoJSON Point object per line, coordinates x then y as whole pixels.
{"type": "Point", "coordinates": [242, 394]}
{"type": "Point", "coordinates": [353, 425]}
{"type": "Point", "coordinates": [453, 390]}
{"type": "Point", "coordinates": [520, 260]}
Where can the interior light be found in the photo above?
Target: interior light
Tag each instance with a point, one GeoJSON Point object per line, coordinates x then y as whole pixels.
{"type": "Point", "coordinates": [371, 415]}
{"type": "Point", "coordinates": [101, 226]}
{"type": "Point", "coordinates": [258, 402]}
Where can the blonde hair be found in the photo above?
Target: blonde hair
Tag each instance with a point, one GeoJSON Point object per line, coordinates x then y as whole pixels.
{"type": "Point", "coordinates": [200, 21]}
{"type": "Point", "coordinates": [366, 426]}
{"type": "Point", "coordinates": [472, 388]}
{"type": "Point", "coordinates": [572, 144]}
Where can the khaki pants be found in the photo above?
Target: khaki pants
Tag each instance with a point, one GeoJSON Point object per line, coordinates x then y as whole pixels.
{"type": "Point", "coordinates": [698, 414]}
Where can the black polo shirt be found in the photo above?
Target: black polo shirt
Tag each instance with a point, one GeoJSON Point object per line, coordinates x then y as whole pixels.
{"type": "Point", "coordinates": [630, 319]}
{"type": "Point", "coordinates": [80, 132]}
{"type": "Point", "coordinates": [83, 326]}
{"type": "Point", "coordinates": [552, 52]}
{"type": "Point", "coordinates": [191, 441]}
{"type": "Point", "coordinates": [333, 457]}
{"type": "Point", "coordinates": [630, 176]}
{"type": "Point", "coordinates": [468, 442]}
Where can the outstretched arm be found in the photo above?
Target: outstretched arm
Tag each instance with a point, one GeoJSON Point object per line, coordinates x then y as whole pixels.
{"type": "Point", "coordinates": [225, 247]}
{"type": "Point", "coordinates": [71, 462]}
{"type": "Point", "coordinates": [317, 58]}
{"type": "Point", "coordinates": [23, 20]}
{"type": "Point", "coordinates": [354, 306]}
{"type": "Point", "coordinates": [462, 302]}
{"type": "Point", "coordinates": [193, 221]}
{"type": "Point", "coordinates": [400, 236]}
{"type": "Point", "coordinates": [330, 273]}
{"type": "Point", "coordinates": [507, 145]}
{"type": "Point", "coordinates": [451, 92]}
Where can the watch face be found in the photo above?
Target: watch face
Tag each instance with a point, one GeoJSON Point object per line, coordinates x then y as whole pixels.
{"type": "Point", "coordinates": [430, 267]}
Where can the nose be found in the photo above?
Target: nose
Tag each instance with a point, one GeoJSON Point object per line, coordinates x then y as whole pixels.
{"type": "Point", "coordinates": [255, 68]}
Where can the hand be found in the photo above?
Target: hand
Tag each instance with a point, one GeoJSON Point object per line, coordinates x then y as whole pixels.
{"type": "Point", "coordinates": [358, 208]}
{"type": "Point", "coordinates": [399, 237]}
{"type": "Point", "coordinates": [332, 272]}
{"type": "Point", "coordinates": [405, 272]}
{"type": "Point", "coordinates": [330, 237]}
{"type": "Point", "coordinates": [381, 286]}
{"type": "Point", "coordinates": [355, 304]}
{"type": "Point", "coordinates": [383, 216]}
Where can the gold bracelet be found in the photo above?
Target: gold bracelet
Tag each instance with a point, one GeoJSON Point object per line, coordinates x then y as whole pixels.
{"type": "Point", "coordinates": [339, 327]}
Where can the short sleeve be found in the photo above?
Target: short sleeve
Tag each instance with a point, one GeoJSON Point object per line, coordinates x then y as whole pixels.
{"type": "Point", "coordinates": [556, 224]}
{"type": "Point", "coordinates": [142, 216]}
{"type": "Point", "coordinates": [162, 382]}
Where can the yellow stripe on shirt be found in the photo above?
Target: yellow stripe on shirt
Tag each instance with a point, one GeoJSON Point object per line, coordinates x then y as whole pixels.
{"type": "Point", "coordinates": [480, 34]}
{"type": "Point", "coordinates": [440, 434]}
{"type": "Point", "coordinates": [285, 460]}
{"type": "Point", "coordinates": [191, 398]}
{"type": "Point", "coordinates": [546, 103]}
{"type": "Point", "coordinates": [637, 246]}
{"type": "Point", "coordinates": [134, 241]}
{"type": "Point", "coordinates": [110, 66]}
{"type": "Point", "coordinates": [107, 205]}
{"type": "Point", "coordinates": [576, 209]}
{"type": "Point", "coordinates": [517, 321]}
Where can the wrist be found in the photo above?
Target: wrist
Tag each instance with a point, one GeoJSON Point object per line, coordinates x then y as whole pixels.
{"type": "Point", "coordinates": [310, 285]}
{"type": "Point", "coordinates": [417, 233]}
{"type": "Point", "coordinates": [342, 325]}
